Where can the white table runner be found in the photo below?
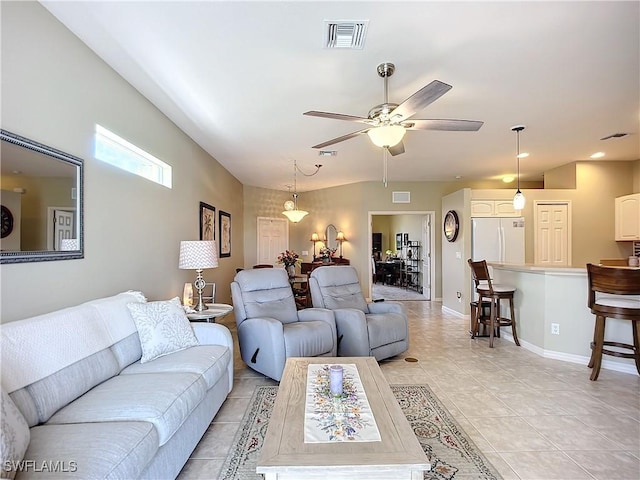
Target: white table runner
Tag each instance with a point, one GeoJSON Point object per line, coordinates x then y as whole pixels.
{"type": "Point", "coordinates": [345, 419]}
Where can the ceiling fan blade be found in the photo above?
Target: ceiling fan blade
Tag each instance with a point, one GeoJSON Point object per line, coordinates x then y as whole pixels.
{"type": "Point", "coordinates": [396, 149]}
{"type": "Point", "coordinates": [337, 116]}
{"type": "Point", "coordinates": [439, 124]}
{"type": "Point", "coordinates": [341, 139]}
{"type": "Point", "coordinates": [423, 97]}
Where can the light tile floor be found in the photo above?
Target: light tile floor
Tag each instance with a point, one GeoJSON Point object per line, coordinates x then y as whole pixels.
{"type": "Point", "coordinates": [533, 418]}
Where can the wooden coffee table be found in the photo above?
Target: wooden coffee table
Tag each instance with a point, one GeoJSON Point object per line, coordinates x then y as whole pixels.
{"type": "Point", "coordinates": [284, 454]}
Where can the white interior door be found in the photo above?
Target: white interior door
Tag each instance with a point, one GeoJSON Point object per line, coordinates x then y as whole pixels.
{"type": "Point", "coordinates": [273, 238]}
{"type": "Point", "coordinates": [552, 234]}
{"type": "Point", "coordinates": [60, 225]}
{"type": "Point", "coordinates": [426, 257]}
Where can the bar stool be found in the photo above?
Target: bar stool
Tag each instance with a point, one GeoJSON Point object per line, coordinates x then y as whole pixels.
{"type": "Point", "coordinates": [494, 293]}
{"type": "Point", "coordinates": [613, 281]}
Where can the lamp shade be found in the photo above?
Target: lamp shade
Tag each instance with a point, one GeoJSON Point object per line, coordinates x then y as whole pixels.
{"type": "Point", "coordinates": [69, 244]}
{"type": "Point", "coordinates": [387, 135]}
{"type": "Point", "coordinates": [295, 215]}
{"type": "Point", "coordinates": [315, 237]}
{"type": "Point", "coordinates": [198, 255]}
{"type": "Point", "coordinates": [340, 237]}
{"type": "Point", "coordinates": [518, 201]}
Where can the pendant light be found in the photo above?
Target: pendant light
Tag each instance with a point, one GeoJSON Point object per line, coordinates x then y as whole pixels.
{"type": "Point", "coordinates": [518, 199]}
{"type": "Point", "coordinates": [291, 207]}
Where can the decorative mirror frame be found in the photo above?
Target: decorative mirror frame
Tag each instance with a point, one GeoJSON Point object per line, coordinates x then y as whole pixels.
{"type": "Point", "coordinates": [330, 239]}
{"type": "Point", "coordinates": [48, 255]}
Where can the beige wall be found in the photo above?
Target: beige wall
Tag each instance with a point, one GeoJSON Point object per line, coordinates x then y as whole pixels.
{"type": "Point", "coordinates": [54, 90]}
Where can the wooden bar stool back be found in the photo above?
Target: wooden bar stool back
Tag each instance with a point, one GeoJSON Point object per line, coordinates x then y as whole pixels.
{"type": "Point", "coordinates": [494, 293]}
{"type": "Point", "coordinates": [613, 281]}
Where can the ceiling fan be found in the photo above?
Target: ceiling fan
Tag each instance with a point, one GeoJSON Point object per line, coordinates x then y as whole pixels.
{"type": "Point", "coordinates": [387, 123]}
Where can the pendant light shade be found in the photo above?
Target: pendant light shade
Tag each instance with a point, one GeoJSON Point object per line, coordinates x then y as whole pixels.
{"type": "Point", "coordinates": [386, 135]}
{"type": "Point", "coordinates": [291, 206]}
{"type": "Point", "coordinates": [518, 199]}
{"type": "Point", "coordinates": [295, 215]}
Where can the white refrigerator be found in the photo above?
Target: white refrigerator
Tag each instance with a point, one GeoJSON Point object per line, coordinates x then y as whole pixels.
{"type": "Point", "coordinates": [498, 239]}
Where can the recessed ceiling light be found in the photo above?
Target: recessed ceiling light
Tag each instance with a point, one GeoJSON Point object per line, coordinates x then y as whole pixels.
{"type": "Point", "coordinates": [598, 155]}
{"type": "Point", "coordinates": [523, 155]}
{"type": "Point", "coordinates": [508, 179]}
{"type": "Point", "coordinates": [458, 177]}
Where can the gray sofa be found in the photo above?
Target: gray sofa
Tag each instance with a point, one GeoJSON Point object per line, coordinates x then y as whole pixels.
{"type": "Point", "coordinates": [78, 399]}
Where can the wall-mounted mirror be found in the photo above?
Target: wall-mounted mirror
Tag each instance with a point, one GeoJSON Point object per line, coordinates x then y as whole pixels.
{"type": "Point", "coordinates": [41, 201]}
{"type": "Point", "coordinates": [330, 235]}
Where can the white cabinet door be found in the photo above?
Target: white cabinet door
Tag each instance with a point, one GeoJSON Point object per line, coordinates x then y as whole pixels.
{"type": "Point", "coordinates": [504, 208]}
{"type": "Point", "coordinates": [482, 208]}
{"type": "Point", "coordinates": [493, 208]}
{"type": "Point", "coordinates": [628, 217]}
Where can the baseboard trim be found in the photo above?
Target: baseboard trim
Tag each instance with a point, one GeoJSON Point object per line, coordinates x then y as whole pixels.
{"type": "Point", "coordinates": [572, 358]}
{"type": "Point", "coordinates": [454, 312]}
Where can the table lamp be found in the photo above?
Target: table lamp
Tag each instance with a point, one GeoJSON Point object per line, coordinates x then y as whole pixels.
{"type": "Point", "coordinates": [198, 255]}
{"type": "Point", "coordinates": [340, 238]}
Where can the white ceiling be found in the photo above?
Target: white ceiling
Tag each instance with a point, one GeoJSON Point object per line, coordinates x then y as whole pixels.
{"type": "Point", "coordinates": [237, 76]}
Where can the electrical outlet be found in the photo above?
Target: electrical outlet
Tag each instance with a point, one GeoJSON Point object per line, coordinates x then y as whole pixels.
{"type": "Point", "coordinates": [555, 329]}
{"type": "Point", "coordinates": [305, 253]}
{"type": "Point", "coordinates": [459, 295]}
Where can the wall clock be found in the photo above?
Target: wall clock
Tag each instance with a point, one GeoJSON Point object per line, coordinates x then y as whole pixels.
{"type": "Point", "coordinates": [7, 222]}
{"type": "Point", "coordinates": [451, 226]}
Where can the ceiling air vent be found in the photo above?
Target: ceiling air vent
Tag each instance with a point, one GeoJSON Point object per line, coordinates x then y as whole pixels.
{"type": "Point", "coordinates": [345, 33]}
{"type": "Point", "coordinates": [401, 197]}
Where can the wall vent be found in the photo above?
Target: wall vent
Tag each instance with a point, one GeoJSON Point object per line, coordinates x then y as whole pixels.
{"type": "Point", "coordinates": [345, 33]}
{"type": "Point", "coordinates": [400, 197]}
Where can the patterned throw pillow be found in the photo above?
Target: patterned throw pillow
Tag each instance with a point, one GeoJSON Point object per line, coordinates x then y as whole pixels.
{"type": "Point", "coordinates": [163, 328]}
{"type": "Point", "coordinates": [14, 439]}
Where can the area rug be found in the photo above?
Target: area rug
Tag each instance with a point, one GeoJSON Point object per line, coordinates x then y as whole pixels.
{"type": "Point", "coordinates": [394, 293]}
{"type": "Point", "coordinates": [452, 454]}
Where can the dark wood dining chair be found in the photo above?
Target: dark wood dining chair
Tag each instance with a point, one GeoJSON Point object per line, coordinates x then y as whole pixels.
{"type": "Point", "coordinates": [493, 293]}
{"type": "Point", "coordinates": [620, 282]}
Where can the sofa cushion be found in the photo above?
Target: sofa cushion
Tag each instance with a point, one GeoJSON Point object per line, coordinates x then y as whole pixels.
{"type": "Point", "coordinates": [266, 292]}
{"type": "Point", "coordinates": [210, 361]}
{"type": "Point", "coordinates": [385, 329]}
{"type": "Point", "coordinates": [163, 328]}
{"type": "Point", "coordinates": [14, 437]}
{"type": "Point", "coordinates": [164, 399]}
{"type": "Point", "coordinates": [37, 347]}
{"type": "Point", "coordinates": [109, 450]}
{"type": "Point", "coordinates": [340, 288]}
{"type": "Point", "coordinates": [308, 339]}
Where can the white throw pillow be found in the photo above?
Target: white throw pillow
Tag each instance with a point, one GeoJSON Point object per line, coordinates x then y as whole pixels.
{"type": "Point", "coordinates": [163, 328]}
{"type": "Point", "coordinates": [15, 437]}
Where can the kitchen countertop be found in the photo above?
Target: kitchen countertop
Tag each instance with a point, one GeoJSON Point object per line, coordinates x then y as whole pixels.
{"type": "Point", "coordinates": [547, 270]}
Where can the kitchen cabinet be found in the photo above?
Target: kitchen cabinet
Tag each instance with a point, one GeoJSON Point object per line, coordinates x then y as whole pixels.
{"type": "Point", "coordinates": [493, 208]}
{"type": "Point", "coordinates": [627, 217]}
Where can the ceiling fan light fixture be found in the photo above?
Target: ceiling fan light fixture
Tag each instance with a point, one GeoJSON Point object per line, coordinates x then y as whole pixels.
{"type": "Point", "coordinates": [386, 135]}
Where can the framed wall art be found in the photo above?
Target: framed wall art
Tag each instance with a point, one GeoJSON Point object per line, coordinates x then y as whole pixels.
{"type": "Point", "coordinates": [225, 234]}
{"type": "Point", "coordinates": [207, 222]}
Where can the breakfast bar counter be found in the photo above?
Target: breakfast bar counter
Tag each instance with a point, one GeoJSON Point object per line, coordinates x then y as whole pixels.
{"type": "Point", "coordinates": [557, 296]}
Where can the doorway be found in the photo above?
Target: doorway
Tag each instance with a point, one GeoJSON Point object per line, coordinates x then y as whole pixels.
{"type": "Point", "coordinates": [418, 226]}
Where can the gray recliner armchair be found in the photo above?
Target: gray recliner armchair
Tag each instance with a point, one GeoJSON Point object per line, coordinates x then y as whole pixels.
{"type": "Point", "coordinates": [377, 329]}
{"type": "Point", "coordinates": [271, 329]}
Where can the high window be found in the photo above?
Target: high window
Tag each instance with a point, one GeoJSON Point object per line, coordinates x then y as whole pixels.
{"type": "Point", "coordinates": [112, 149]}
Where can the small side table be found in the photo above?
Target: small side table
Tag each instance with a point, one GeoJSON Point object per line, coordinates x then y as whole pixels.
{"type": "Point", "coordinates": [214, 310]}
